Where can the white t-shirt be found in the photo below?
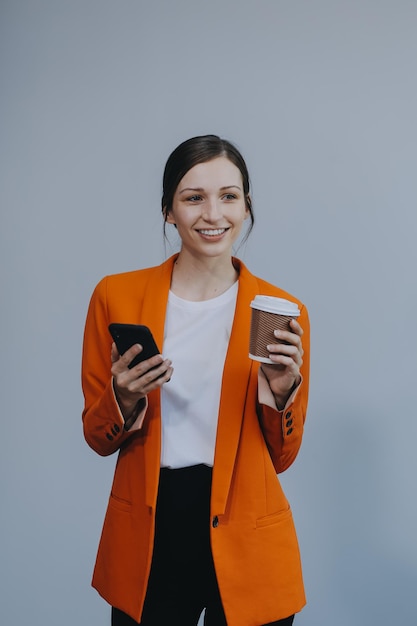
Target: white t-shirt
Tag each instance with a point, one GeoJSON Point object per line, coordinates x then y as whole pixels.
{"type": "Point", "coordinates": [196, 339]}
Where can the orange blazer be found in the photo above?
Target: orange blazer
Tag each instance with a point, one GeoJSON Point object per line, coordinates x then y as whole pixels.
{"type": "Point", "coordinates": [253, 539]}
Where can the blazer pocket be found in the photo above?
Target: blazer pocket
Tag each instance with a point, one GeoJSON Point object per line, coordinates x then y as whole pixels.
{"type": "Point", "coordinates": [273, 518]}
{"type": "Point", "coordinates": [120, 503]}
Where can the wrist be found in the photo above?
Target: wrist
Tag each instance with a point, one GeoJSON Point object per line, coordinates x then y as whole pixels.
{"type": "Point", "coordinates": [129, 408]}
{"type": "Point", "coordinates": [281, 398]}
{"type": "Point", "coordinates": [131, 419]}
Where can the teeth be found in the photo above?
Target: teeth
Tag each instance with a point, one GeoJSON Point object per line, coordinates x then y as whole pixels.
{"type": "Point", "coordinates": [217, 231]}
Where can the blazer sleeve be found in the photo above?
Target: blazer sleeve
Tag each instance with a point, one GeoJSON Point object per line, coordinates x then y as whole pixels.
{"type": "Point", "coordinates": [283, 430]}
{"type": "Point", "coordinates": [103, 422]}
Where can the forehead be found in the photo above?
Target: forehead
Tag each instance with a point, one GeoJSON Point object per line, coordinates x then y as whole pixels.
{"type": "Point", "coordinates": [219, 172]}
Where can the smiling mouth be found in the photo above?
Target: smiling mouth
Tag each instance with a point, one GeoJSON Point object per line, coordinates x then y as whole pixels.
{"type": "Point", "coordinates": [212, 232]}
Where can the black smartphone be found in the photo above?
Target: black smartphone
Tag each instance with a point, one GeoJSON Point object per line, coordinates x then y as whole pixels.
{"type": "Point", "coordinates": [126, 335]}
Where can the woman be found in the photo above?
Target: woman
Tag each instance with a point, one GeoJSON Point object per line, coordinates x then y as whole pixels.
{"type": "Point", "coordinates": [197, 518]}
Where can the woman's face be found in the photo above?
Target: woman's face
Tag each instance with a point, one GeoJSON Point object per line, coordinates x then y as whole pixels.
{"type": "Point", "coordinates": [209, 208]}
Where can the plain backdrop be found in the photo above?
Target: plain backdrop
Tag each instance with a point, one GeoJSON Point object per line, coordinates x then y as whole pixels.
{"type": "Point", "coordinates": [321, 97]}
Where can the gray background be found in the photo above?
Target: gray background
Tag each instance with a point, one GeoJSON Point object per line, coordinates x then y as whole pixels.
{"type": "Point", "coordinates": [321, 97]}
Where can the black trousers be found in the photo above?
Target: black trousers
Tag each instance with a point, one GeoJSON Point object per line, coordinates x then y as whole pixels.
{"type": "Point", "coordinates": [182, 580]}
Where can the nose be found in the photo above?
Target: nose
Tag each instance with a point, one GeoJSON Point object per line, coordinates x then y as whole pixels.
{"type": "Point", "coordinates": [212, 210]}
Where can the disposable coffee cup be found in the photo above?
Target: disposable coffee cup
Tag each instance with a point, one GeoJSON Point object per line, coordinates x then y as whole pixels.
{"type": "Point", "coordinates": [268, 314]}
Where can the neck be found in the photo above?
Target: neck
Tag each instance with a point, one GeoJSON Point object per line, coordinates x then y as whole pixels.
{"type": "Point", "coordinates": [199, 279]}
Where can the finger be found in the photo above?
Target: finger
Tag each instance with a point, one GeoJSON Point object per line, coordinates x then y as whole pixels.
{"type": "Point", "coordinates": [293, 350]}
{"type": "Point", "coordinates": [144, 366]}
{"type": "Point", "coordinates": [281, 352]}
{"type": "Point", "coordinates": [128, 356]}
{"type": "Point", "coordinates": [290, 349]}
{"type": "Point", "coordinates": [153, 379]}
{"type": "Point", "coordinates": [120, 366]}
{"type": "Point", "coordinates": [168, 375]}
{"type": "Point", "coordinates": [287, 361]}
{"type": "Point", "coordinates": [295, 327]}
{"type": "Point", "coordinates": [288, 337]}
{"type": "Point", "coordinates": [151, 369]}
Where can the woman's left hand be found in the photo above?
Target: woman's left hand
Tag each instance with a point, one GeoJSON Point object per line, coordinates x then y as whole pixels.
{"type": "Point", "coordinates": [284, 375]}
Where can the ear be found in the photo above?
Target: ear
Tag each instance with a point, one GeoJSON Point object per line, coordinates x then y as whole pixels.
{"type": "Point", "coordinates": [169, 219]}
{"type": "Point", "coordinates": [248, 204]}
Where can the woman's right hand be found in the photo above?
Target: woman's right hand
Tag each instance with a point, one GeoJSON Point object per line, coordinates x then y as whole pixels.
{"type": "Point", "coordinates": [132, 385]}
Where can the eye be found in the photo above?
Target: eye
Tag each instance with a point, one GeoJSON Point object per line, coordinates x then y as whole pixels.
{"type": "Point", "coordinates": [194, 198]}
{"type": "Point", "coordinates": [229, 196]}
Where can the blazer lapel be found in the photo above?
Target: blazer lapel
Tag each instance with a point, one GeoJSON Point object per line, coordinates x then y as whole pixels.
{"type": "Point", "coordinates": [155, 298]}
{"type": "Point", "coordinates": [237, 367]}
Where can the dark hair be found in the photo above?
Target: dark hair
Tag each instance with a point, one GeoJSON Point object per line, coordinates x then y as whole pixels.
{"type": "Point", "coordinates": [200, 150]}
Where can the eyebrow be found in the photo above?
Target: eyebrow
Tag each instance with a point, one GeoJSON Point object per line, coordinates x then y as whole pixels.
{"type": "Point", "coordinates": [188, 189]}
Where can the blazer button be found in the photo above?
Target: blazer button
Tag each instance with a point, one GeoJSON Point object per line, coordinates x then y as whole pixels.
{"type": "Point", "coordinates": [109, 437]}
{"type": "Point", "coordinates": [116, 428]}
{"type": "Point", "coordinates": [289, 431]}
{"type": "Point", "coordinates": [289, 423]}
{"type": "Point", "coordinates": [215, 521]}
{"type": "Point", "coordinates": [288, 415]}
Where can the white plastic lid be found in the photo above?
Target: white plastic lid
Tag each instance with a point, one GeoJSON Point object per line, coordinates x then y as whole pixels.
{"type": "Point", "coordinates": [279, 306]}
